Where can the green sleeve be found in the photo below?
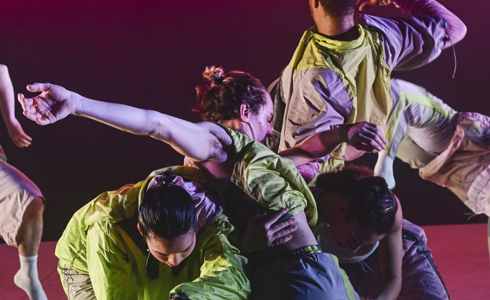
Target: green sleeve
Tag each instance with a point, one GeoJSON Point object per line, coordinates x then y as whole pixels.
{"type": "Point", "coordinates": [109, 268]}
{"type": "Point", "coordinates": [222, 274]}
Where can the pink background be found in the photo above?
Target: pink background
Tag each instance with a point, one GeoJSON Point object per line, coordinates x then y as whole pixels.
{"type": "Point", "coordinates": [150, 54]}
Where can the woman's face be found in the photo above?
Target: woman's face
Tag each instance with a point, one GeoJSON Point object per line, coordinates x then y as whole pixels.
{"type": "Point", "coordinates": [172, 252]}
{"type": "Point", "coordinates": [344, 234]}
{"type": "Point", "coordinates": [350, 236]}
{"type": "Point", "coordinates": [260, 123]}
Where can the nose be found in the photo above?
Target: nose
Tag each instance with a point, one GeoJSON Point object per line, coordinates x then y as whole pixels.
{"type": "Point", "coordinates": [269, 131]}
{"type": "Point", "coordinates": [174, 260]}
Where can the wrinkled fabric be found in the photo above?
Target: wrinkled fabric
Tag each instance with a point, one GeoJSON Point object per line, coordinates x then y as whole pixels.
{"type": "Point", "coordinates": [421, 118]}
{"type": "Point", "coordinates": [271, 180]}
{"type": "Point", "coordinates": [16, 193]}
{"type": "Point", "coordinates": [464, 166]}
{"type": "Point", "coordinates": [275, 183]}
{"type": "Point", "coordinates": [94, 244]}
{"type": "Point", "coordinates": [420, 277]}
{"type": "Point", "coordinates": [320, 86]}
{"type": "Point", "coordinates": [306, 273]}
{"type": "Point", "coordinates": [449, 148]}
{"type": "Point", "coordinates": [329, 83]}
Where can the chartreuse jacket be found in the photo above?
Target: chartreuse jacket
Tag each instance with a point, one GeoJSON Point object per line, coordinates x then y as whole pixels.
{"type": "Point", "coordinates": [102, 240]}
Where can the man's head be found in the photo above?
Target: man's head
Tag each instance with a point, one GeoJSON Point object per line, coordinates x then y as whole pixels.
{"type": "Point", "coordinates": [236, 96]}
{"type": "Point", "coordinates": [167, 219]}
{"type": "Point", "coordinates": [333, 8]}
{"type": "Point", "coordinates": [364, 207]}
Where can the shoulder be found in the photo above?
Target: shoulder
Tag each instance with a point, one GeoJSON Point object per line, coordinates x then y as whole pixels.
{"type": "Point", "coordinates": [218, 131]}
{"type": "Point", "coordinates": [397, 225]}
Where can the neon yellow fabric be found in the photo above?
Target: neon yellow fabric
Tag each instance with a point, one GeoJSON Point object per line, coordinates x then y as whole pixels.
{"type": "Point", "coordinates": [360, 66]}
{"type": "Point", "coordinates": [403, 100]}
{"type": "Point", "coordinates": [92, 243]}
{"type": "Point", "coordinates": [270, 179]}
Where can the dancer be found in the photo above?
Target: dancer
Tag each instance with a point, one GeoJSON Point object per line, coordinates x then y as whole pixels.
{"type": "Point", "coordinates": [339, 74]}
{"type": "Point", "coordinates": [346, 199]}
{"type": "Point", "coordinates": [21, 202]}
{"type": "Point", "coordinates": [449, 148]}
{"type": "Point", "coordinates": [270, 182]}
{"type": "Point", "coordinates": [187, 252]}
{"type": "Point", "coordinates": [359, 220]}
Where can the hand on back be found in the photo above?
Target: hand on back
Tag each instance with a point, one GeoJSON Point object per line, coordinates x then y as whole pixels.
{"type": "Point", "coordinates": [263, 232]}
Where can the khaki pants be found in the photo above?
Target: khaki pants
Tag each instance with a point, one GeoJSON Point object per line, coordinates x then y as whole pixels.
{"type": "Point", "coordinates": [77, 285]}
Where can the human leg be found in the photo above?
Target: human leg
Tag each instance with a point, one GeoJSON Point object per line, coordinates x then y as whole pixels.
{"type": "Point", "coordinates": [30, 231]}
{"type": "Point", "coordinates": [384, 168]}
{"type": "Point", "coordinates": [28, 240]}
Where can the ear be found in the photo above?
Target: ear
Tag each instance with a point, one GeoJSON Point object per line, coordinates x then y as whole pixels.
{"type": "Point", "coordinates": [357, 1]}
{"type": "Point", "coordinates": [139, 229]}
{"type": "Point", "coordinates": [316, 3]}
{"type": "Point", "coordinates": [343, 209]}
{"type": "Point", "coordinates": [245, 112]}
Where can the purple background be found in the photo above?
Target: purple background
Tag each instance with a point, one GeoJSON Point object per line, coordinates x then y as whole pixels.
{"type": "Point", "coordinates": [150, 54]}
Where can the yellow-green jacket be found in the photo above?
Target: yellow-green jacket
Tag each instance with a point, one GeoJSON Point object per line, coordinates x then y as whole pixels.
{"type": "Point", "coordinates": [102, 240]}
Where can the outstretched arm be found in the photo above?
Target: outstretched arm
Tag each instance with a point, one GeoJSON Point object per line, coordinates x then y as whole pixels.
{"type": "Point", "coordinates": [364, 136]}
{"type": "Point", "coordinates": [456, 29]}
{"type": "Point", "coordinates": [55, 103]}
{"type": "Point", "coordinates": [390, 258]}
{"type": "Point", "coordinates": [7, 105]}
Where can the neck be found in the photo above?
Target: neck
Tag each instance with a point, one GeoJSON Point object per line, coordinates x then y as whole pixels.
{"type": "Point", "coordinates": [338, 28]}
{"type": "Point", "coordinates": [326, 207]}
{"type": "Point", "coordinates": [238, 125]}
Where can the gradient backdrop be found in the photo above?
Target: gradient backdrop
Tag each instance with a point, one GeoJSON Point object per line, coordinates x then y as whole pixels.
{"type": "Point", "coordinates": [150, 54]}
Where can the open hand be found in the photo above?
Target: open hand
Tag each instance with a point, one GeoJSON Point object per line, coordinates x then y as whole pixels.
{"type": "Point", "coordinates": [261, 234]}
{"type": "Point", "coordinates": [363, 136]}
{"type": "Point", "coordinates": [53, 104]}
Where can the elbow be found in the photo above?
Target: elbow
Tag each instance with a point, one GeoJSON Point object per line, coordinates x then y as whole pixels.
{"type": "Point", "coordinates": [460, 33]}
{"type": "Point", "coordinates": [456, 30]}
{"type": "Point", "coordinates": [156, 123]}
{"type": "Point", "coordinates": [4, 71]}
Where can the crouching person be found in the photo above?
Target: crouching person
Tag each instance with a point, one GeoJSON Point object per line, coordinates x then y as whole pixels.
{"type": "Point", "coordinates": [187, 250]}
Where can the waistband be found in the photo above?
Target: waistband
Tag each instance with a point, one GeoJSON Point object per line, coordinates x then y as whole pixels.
{"type": "Point", "coordinates": [260, 260]}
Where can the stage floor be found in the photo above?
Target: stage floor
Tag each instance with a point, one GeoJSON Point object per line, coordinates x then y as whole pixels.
{"type": "Point", "coordinates": [460, 252]}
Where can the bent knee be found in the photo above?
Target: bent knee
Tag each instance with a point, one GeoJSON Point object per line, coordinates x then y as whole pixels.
{"type": "Point", "coordinates": [36, 207]}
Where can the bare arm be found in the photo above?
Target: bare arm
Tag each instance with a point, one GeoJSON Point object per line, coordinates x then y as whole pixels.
{"type": "Point", "coordinates": [55, 103]}
{"type": "Point", "coordinates": [391, 255]}
{"type": "Point", "coordinates": [7, 105]}
{"type": "Point", "coordinates": [363, 136]}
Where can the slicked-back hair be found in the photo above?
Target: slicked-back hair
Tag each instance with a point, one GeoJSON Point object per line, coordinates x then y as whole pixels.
{"type": "Point", "coordinates": [371, 203]}
{"type": "Point", "coordinates": [339, 8]}
{"type": "Point", "coordinates": [222, 97]}
{"type": "Point", "coordinates": [167, 212]}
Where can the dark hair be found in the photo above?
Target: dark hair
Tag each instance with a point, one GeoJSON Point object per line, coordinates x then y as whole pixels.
{"type": "Point", "coordinates": [338, 8]}
{"type": "Point", "coordinates": [167, 211]}
{"type": "Point", "coordinates": [371, 203]}
{"type": "Point", "coordinates": [221, 99]}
